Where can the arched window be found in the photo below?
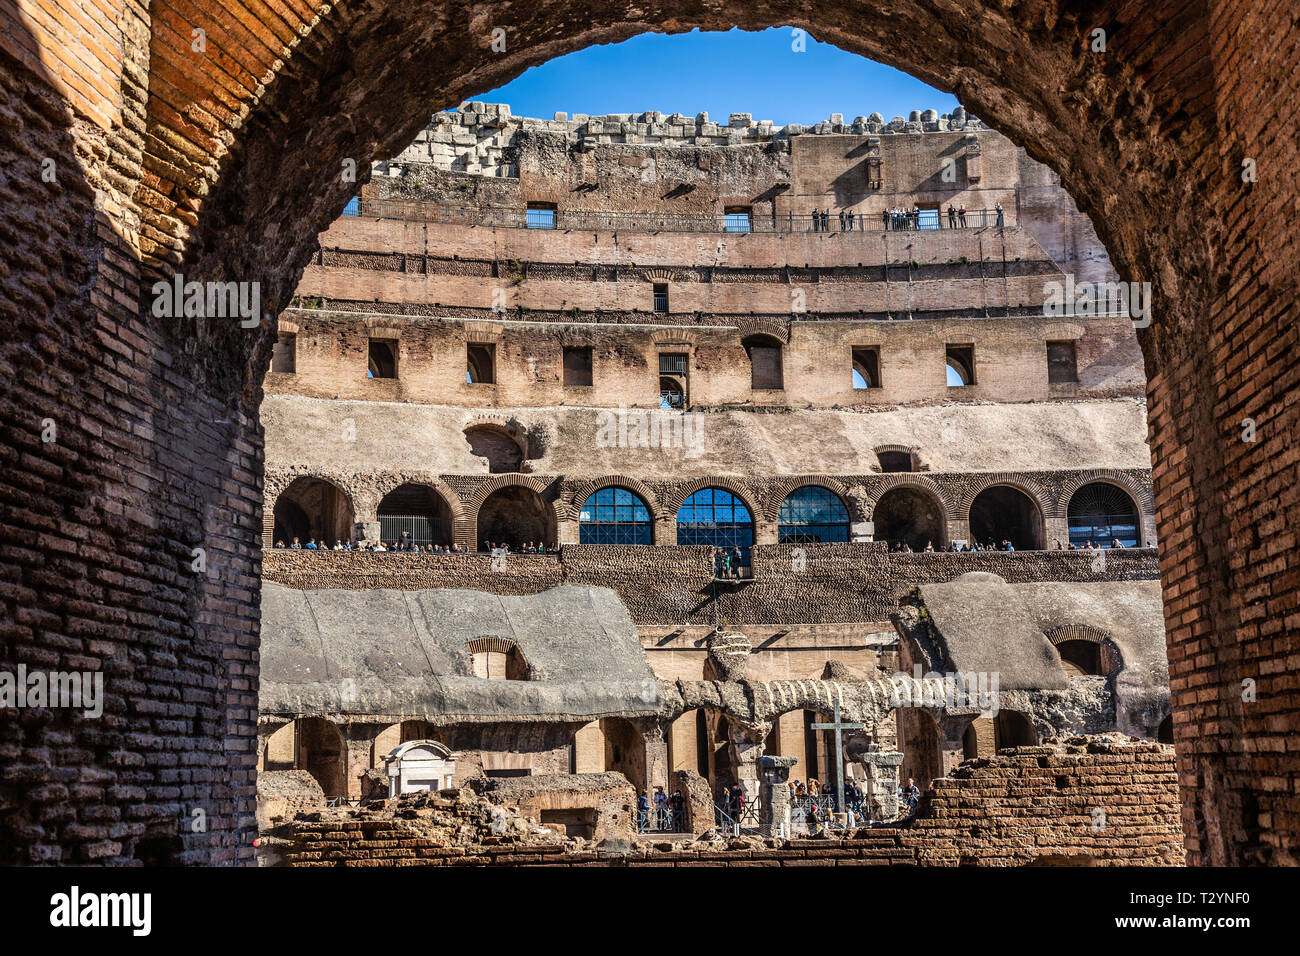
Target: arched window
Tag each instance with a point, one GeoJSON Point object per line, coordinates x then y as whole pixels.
{"type": "Point", "coordinates": [1102, 513]}
{"type": "Point", "coordinates": [496, 658]}
{"type": "Point", "coordinates": [615, 516]}
{"type": "Point", "coordinates": [716, 517]}
{"type": "Point", "coordinates": [812, 514]}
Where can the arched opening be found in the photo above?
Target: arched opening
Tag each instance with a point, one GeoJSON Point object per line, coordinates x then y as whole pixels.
{"type": "Point", "coordinates": [624, 751]}
{"type": "Point", "coordinates": [1081, 657]}
{"type": "Point", "coordinates": [812, 514]}
{"type": "Point", "coordinates": [415, 513]}
{"type": "Point", "coordinates": [977, 739]}
{"type": "Point", "coordinates": [503, 453]}
{"type": "Point", "coordinates": [910, 516]}
{"type": "Point", "coordinates": [1005, 514]}
{"type": "Point", "coordinates": [1100, 514]}
{"type": "Point", "coordinates": [312, 509]}
{"type": "Point", "coordinates": [320, 751]}
{"type": "Point", "coordinates": [615, 516]}
{"type": "Point", "coordinates": [717, 518]}
{"type": "Point", "coordinates": [688, 743]}
{"type": "Point", "coordinates": [515, 516]}
{"type": "Point", "coordinates": [919, 739]}
{"type": "Point", "coordinates": [765, 367]}
{"type": "Point", "coordinates": [497, 658]}
{"type": "Point", "coordinates": [394, 735]}
{"type": "Point", "coordinates": [1013, 729]}
{"type": "Point", "coordinates": [1190, 457]}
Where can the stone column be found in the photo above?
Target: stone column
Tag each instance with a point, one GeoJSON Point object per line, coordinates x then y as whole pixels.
{"type": "Point", "coordinates": [365, 532]}
{"type": "Point", "coordinates": [880, 788]}
{"type": "Point", "coordinates": [1054, 530]}
{"type": "Point", "coordinates": [656, 756]}
{"type": "Point", "coordinates": [774, 815]}
{"type": "Point", "coordinates": [358, 741]}
{"type": "Point", "coordinates": [746, 745]}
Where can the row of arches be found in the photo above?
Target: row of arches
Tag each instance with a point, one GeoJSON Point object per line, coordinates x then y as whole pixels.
{"type": "Point", "coordinates": [913, 515]}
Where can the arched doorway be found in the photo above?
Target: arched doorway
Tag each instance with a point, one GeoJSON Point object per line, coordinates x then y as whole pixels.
{"type": "Point", "coordinates": [201, 205]}
{"type": "Point", "coordinates": [919, 739]}
{"type": "Point", "coordinates": [312, 509]}
{"type": "Point", "coordinates": [1013, 729]}
{"type": "Point", "coordinates": [320, 751]}
{"type": "Point", "coordinates": [515, 515]}
{"type": "Point", "coordinates": [911, 516]}
{"type": "Point", "coordinates": [1100, 513]}
{"type": "Point", "coordinates": [718, 518]}
{"type": "Point", "coordinates": [1003, 513]}
{"type": "Point", "coordinates": [417, 512]}
{"type": "Point", "coordinates": [624, 750]}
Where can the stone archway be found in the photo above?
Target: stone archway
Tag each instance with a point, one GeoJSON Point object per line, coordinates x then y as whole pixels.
{"type": "Point", "coordinates": [232, 178]}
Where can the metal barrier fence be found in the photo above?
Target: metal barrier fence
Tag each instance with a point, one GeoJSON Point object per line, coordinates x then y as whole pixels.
{"type": "Point", "coordinates": [660, 820]}
{"type": "Point", "coordinates": [510, 217]}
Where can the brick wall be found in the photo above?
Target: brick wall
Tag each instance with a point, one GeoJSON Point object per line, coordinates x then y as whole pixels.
{"type": "Point", "coordinates": [1100, 801]}
{"type": "Point", "coordinates": [840, 583]}
{"type": "Point", "coordinates": [159, 437]}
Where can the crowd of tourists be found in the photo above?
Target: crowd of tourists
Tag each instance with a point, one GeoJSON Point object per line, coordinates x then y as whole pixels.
{"type": "Point", "coordinates": [405, 544]}
{"type": "Point", "coordinates": [962, 547]}
{"type": "Point", "coordinates": [897, 219]}
{"type": "Point", "coordinates": [528, 547]}
{"type": "Point", "coordinates": [661, 812]}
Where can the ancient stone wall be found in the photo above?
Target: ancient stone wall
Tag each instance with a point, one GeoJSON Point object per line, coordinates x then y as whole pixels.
{"type": "Point", "coordinates": [665, 585]}
{"type": "Point", "coordinates": [1104, 801]}
{"type": "Point", "coordinates": [166, 164]}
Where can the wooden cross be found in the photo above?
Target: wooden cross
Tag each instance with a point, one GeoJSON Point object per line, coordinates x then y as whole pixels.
{"type": "Point", "coordinates": [839, 727]}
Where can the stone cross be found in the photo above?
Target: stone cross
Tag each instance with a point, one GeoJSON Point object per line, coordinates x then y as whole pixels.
{"type": "Point", "coordinates": [839, 727]}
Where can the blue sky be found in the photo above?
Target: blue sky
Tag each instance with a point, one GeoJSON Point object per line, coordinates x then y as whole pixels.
{"type": "Point", "coordinates": [721, 73]}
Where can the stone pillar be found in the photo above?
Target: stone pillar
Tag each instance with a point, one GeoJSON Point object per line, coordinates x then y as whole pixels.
{"type": "Point", "coordinates": [746, 745]}
{"type": "Point", "coordinates": [880, 786]}
{"type": "Point", "coordinates": [1054, 530]}
{"type": "Point", "coordinates": [774, 815]}
{"type": "Point", "coordinates": [358, 742]}
{"type": "Point", "coordinates": [656, 756]}
{"type": "Point", "coordinates": [365, 532]}
{"type": "Point", "coordinates": [698, 799]}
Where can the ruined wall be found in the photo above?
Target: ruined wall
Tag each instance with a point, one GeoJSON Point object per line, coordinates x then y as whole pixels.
{"type": "Point", "coordinates": [841, 583]}
{"type": "Point", "coordinates": [165, 161]}
{"type": "Point", "coordinates": [1103, 801]}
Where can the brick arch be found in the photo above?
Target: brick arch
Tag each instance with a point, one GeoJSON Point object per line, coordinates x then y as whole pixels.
{"type": "Point", "coordinates": [877, 488]}
{"type": "Point", "coordinates": [468, 532]}
{"type": "Point", "coordinates": [571, 505]}
{"type": "Point", "coordinates": [278, 482]}
{"type": "Point", "coordinates": [674, 504]}
{"type": "Point", "coordinates": [394, 480]}
{"type": "Point", "coordinates": [683, 338]}
{"type": "Point", "coordinates": [498, 482]}
{"type": "Point", "coordinates": [773, 500]}
{"type": "Point", "coordinates": [253, 133]}
{"type": "Point", "coordinates": [1037, 493]}
{"type": "Point", "coordinates": [1138, 491]}
{"type": "Point", "coordinates": [762, 325]}
{"type": "Point", "coordinates": [1076, 632]}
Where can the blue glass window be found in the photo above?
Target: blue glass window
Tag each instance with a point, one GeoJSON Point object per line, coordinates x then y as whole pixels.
{"type": "Point", "coordinates": [615, 516]}
{"type": "Point", "coordinates": [812, 514]}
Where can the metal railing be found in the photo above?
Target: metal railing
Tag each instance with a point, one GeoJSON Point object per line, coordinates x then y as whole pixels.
{"type": "Point", "coordinates": [660, 820]}
{"type": "Point", "coordinates": [518, 218]}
